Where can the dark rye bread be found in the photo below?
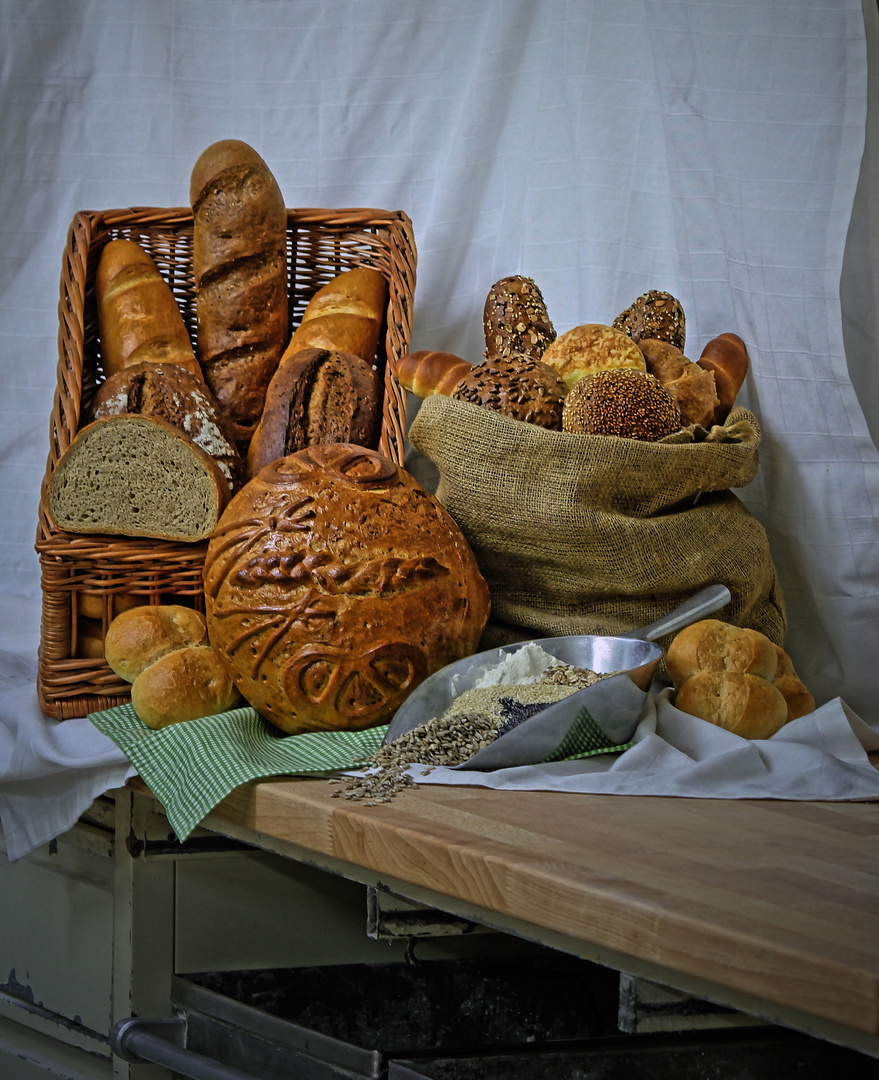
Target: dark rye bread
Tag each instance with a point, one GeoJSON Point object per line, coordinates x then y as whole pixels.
{"type": "Point", "coordinates": [317, 396]}
{"type": "Point", "coordinates": [136, 476]}
{"type": "Point", "coordinates": [171, 393]}
{"type": "Point", "coordinates": [239, 253]}
{"type": "Point", "coordinates": [515, 320]}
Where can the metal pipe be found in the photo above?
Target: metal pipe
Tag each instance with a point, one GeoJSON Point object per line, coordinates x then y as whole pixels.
{"type": "Point", "coordinates": [136, 1041]}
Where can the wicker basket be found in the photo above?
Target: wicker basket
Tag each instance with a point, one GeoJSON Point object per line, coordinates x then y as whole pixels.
{"type": "Point", "coordinates": [85, 578]}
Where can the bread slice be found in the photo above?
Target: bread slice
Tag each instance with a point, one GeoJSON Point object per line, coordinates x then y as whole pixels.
{"type": "Point", "coordinates": [136, 476]}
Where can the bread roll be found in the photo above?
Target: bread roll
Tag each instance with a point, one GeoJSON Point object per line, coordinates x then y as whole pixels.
{"type": "Point", "coordinates": [426, 372]}
{"type": "Point", "coordinates": [344, 316]}
{"type": "Point", "coordinates": [136, 476]}
{"type": "Point", "coordinates": [334, 585]}
{"type": "Point", "coordinates": [727, 357]}
{"type": "Point", "coordinates": [186, 684]}
{"type": "Point", "coordinates": [91, 605]}
{"type": "Point", "coordinates": [627, 403]}
{"type": "Point", "coordinates": [89, 638]}
{"type": "Point", "coordinates": [239, 259]}
{"type": "Point", "coordinates": [691, 386]}
{"type": "Point", "coordinates": [745, 704]}
{"type": "Point", "coordinates": [799, 700]}
{"type": "Point", "coordinates": [317, 396]}
{"type": "Point", "coordinates": [515, 320]}
{"type": "Point", "coordinates": [174, 395]}
{"type": "Point", "coordinates": [590, 348]}
{"type": "Point", "coordinates": [656, 315]}
{"type": "Point", "coordinates": [521, 388]}
{"type": "Point", "coordinates": [138, 637]}
{"type": "Point", "coordinates": [713, 645]}
{"type": "Point", "coordinates": [138, 317]}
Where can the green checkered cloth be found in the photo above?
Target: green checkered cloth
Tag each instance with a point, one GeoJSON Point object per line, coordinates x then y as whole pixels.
{"type": "Point", "coordinates": [191, 767]}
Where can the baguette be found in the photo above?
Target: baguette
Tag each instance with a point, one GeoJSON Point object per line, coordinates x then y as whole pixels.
{"type": "Point", "coordinates": [239, 262]}
{"type": "Point", "coordinates": [427, 372]}
{"type": "Point", "coordinates": [344, 316]}
{"type": "Point", "coordinates": [139, 320]}
{"type": "Point", "coordinates": [727, 357]}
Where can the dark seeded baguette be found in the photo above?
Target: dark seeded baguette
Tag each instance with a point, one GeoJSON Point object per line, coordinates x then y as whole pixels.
{"type": "Point", "coordinates": [239, 263]}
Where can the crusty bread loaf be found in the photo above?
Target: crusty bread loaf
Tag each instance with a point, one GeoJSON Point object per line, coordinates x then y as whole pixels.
{"type": "Point", "coordinates": [427, 372]}
{"type": "Point", "coordinates": [519, 387]}
{"type": "Point", "coordinates": [746, 704]}
{"type": "Point", "coordinates": [239, 259]}
{"type": "Point", "coordinates": [183, 685]}
{"type": "Point", "coordinates": [173, 394]}
{"type": "Point", "coordinates": [334, 585]}
{"type": "Point", "coordinates": [727, 357]}
{"type": "Point", "coordinates": [590, 348]}
{"type": "Point", "coordinates": [624, 402]}
{"type": "Point", "coordinates": [138, 317]}
{"type": "Point", "coordinates": [712, 645]}
{"type": "Point", "coordinates": [317, 396]}
{"type": "Point", "coordinates": [690, 385]}
{"type": "Point", "coordinates": [515, 320]}
{"type": "Point", "coordinates": [138, 637]}
{"type": "Point", "coordinates": [345, 315]}
{"type": "Point", "coordinates": [136, 476]}
{"type": "Point", "coordinates": [655, 314]}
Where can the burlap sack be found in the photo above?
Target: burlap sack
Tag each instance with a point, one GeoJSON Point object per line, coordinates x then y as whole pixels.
{"type": "Point", "coordinates": [586, 534]}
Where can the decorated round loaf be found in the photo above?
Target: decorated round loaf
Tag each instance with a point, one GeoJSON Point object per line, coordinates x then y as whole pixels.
{"type": "Point", "coordinates": [334, 584]}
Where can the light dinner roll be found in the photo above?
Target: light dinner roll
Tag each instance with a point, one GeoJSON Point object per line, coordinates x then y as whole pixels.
{"type": "Point", "coordinates": [182, 685]}
{"type": "Point", "coordinates": [744, 704]}
{"type": "Point", "coordinates": [590, 348]}
{"type": "Point", "coordinates": [138, 637]}
{"type": "Point", "coordinates": [711, 645]}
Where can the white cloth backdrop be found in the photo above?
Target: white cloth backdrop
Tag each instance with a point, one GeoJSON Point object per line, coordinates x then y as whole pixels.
{"type": "Point", "coordinates": [602, 148]}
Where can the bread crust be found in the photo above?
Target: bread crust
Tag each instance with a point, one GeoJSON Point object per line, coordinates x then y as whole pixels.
{"type": "Point", "coordinates": [345, 315]}
{"type": "Point", "coordinates": [515, 321]}
{"type": "Point", "coordinates": [426, 372]}
{"type": "Point", "coordinates": [589, 348]}
{"type": "Point", "coordinates": [181, 685]}
{"type": "Point", "coordinates": [519, 387]}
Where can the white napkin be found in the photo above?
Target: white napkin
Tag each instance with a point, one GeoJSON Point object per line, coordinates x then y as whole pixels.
{"type": "Point", "coordinates": [50, 770]}
{"type": "Point", "coordinates": [821, 756]}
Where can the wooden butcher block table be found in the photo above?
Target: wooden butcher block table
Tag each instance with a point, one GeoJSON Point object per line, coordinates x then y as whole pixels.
{"type": "Point", "coordinates": [769, 907]}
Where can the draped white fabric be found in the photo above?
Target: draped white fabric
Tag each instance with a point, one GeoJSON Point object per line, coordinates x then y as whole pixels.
{"type": "Point", "coordinates": [711, 149]}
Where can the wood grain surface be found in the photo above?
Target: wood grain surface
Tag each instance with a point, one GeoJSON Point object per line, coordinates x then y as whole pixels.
{"type": "Point", "coordinates": [774, 899]}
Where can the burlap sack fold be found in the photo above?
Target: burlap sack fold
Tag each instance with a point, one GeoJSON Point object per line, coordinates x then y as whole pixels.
{"type": "Point", "coordinates": [589, 534]}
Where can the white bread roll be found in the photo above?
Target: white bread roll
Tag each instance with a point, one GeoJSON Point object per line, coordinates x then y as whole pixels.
{"type": "Point", "coordinates": [712, 645]}
{"type": "Point", "coordinates": [185, 684]}
{"type": "Point", "coordinates": [138, 637]}
{"type": "Point", "coordinates": [745, 704]}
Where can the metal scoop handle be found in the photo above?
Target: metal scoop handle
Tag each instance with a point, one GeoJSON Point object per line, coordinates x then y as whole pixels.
{"type": "Point", "coordinates": [705, 602]}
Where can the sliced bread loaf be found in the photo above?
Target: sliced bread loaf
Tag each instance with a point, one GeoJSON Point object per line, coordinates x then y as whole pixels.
{"type": "Point", "coordinates": [136, 476]}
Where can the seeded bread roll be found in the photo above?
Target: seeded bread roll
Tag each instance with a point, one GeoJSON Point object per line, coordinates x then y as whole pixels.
{"type": "Point", "coordinates": [745, 704]}
{"type": "Point", "coordinates": [317, 396]}
{"type": "Point", "coordinates": [334, 585]}
{"type": "Point", "coordinates": [138, 637]}
{"type": "Point", "coordinates": [183, 685]}
{"type": "Point", "coordinates": [239, 259]}
{"type": "Point", "coordinates": [628, 403]}
{"type": "Point", "coordinates": [713, 645]}
{"type": "Point", "coordinates": [521, 388]}
{"type": "Point", "coordinates": [656, 314]}
{"type": "Point", "coordinates": [515, 320]}
{"type": "Point", "coordinates": [590, 348]}
{"type": "Point", "coordinates": [173, 394]}
{"type": "Point", "coordinates": [138, 317]}
{"type": "Point", "coordinates": [136, 476]}
{"type": "Point", "coordinates": [691, 386]}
